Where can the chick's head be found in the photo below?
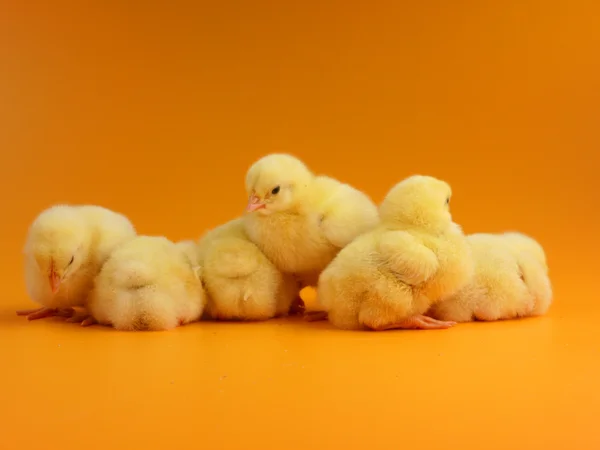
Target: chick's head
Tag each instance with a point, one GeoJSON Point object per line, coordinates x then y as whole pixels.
{"type": "Point", "coordinates": [420, 201]}
{"type": "Point", "coordinates": [274, 182]}
{"type": "Point", "coordinates": [59, 241]}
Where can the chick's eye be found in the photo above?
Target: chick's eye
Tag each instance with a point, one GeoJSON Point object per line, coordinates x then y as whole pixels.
{"type": "Point", "coordinates": [448, 201]}
{"type": "Point", "coordinates": [275, 190]}
{"type": "Point", "coordinates": [72, 258]}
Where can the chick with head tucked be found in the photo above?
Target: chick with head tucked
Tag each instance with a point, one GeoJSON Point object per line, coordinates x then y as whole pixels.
{"type": "Point", "coordinates": [65, 249]}
{"type": "Point", "coordinates": [299, 220]}
{"type": "Point", "coordinates": [148, 284]}
{"type": "Point", "coordinates": [389, 277]}
{"type": "Point", "coordinates": [511, 281]}
{"type": "Point", "coordinates": [241, 282]}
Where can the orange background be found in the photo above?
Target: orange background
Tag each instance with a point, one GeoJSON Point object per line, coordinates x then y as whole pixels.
{"type": "Point", "coordinates": [156, 109]}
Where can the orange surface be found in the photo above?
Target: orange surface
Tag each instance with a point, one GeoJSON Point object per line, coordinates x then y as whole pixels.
{"type": "Point", "coordinates": [156, 109]}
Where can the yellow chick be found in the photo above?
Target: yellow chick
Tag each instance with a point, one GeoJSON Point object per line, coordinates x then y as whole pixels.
{"type": "Point", "coordinates": [64, 251]}
{"type": "Point", "coordinates": [148, 283]}
{"type": "Point", "coordinates": [388, 278]}
{"type": "Point", "coordinates": [299, 220]}
{"type": "Point", "coordinates": [242, 284]}
{"type": "Point", "coordinates": [511, 280]}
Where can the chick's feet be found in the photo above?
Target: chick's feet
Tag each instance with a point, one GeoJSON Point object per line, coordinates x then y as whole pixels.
{"type": "Point", "coordinates": [83, 318]}
{"type": "Point", "coordinates": [419, 322]}
{"type": "Point", "coordinates": [43, 312]}
{"type": "Point", "coordinates": [297, 306]}
{"type": "Point", "coordinates": [315, 316]}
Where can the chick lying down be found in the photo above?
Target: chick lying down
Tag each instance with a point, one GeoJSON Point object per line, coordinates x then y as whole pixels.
{"type": "Point", "coordinates": [511, 281]}
{"type": "Point", "coordinates": [148, 283]}
{"type": "Point", "coordinates": [389, 278]}
{"type": "Point", "coordinates": [241, 283]}
{"type": "Point", "coordinates": [65, 249]}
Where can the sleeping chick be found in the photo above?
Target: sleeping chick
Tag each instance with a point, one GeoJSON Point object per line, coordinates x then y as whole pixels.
{"type": "Point", "coordinates": [65, 249]}
{"type": "Point", "coordinates": [511, 280]}
{"type": "Point", "coordinates": [301, 221]}
{"type": "Point", "coordinates": [148, 283]}
{"type": "Point", "coordinates": [242, 284]}
{"type": "Point", "coordinates": [388, 278]}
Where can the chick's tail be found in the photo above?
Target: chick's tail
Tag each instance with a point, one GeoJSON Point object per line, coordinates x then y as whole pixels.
{"type": "Point", "coordinates": [146, 309]}
{"type": "Point", "coordinates": [138, 302]}
{"type": "Point", "coordinates": [538, 284]}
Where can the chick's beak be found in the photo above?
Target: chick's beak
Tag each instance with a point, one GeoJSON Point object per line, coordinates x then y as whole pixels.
{"type": "Point", "coordinates": [254, 204]}
{"type": "Point", "coordinates": [54, 281]}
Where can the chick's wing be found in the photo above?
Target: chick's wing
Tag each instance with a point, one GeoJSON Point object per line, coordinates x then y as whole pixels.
{"type": "Point", "coordinates": [346, 214]}
{"type": "Point", "coordinates": [406, 257]}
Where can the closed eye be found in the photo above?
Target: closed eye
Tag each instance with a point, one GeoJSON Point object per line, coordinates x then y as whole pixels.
{"type": "Point", "coordinates": [71, 262]}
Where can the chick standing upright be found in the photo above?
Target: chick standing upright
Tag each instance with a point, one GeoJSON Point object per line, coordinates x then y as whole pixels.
{"type": "Point", "coordinates": [148, 283]}
{"type": "Point", "coordinates": [242, 284]}
{"type": "Point", "coordinates": [300, 221]}
{"type": "Point", "coordinates": [388, 278]}
{"type": "Point", "coordinates": [65, 249]}
{"type": "Point", "coordinates": [511, 280]}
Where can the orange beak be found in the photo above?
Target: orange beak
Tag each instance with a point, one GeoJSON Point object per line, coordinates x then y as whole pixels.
{"type": "Point", "coordinates": [254, 204]}
{"type": "Point", "coordinates": [54, 281]}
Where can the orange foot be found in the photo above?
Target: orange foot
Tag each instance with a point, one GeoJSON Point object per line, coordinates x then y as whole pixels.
{"type": "Point", "coordinates": [297, 306]}
{"type": "Point", "coordinates": [43, 312]}
{"type": "Point", "coordinates": [314, 316]}
{"type": "Point", "coordinates": [419, 322]}
{"type": "Point", "coordinates": [81, 317]}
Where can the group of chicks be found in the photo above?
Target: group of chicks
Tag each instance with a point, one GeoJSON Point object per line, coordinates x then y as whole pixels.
{"type": "Point", "coordinates": [402, 265]}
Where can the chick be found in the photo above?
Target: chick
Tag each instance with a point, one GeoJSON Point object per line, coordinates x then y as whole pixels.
{"type": "Point", "coordinates": [64, 251]}
{"type": "Point", "coordinates": [510, 281]}
{"type": "Point", "coordinates": [242, 284]}
{"type": "Point", "coordinates": [388, 278]}
{"type": "Point", "coordinates": [148, 283]}
{"type": "Point", "coordinates": [299, 220]}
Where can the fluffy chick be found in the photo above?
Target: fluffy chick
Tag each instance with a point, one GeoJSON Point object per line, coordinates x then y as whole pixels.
{"type": "Point", "coordinates": [148, 283]}
{"type": "Point", "coordinates": [511, 280]}
{"type": "Point", "coordinates": [64, 251]}
{"type": "Point", "coordinates": [388, 278]}
{"type": "Point", "coordinates": [242, 284]}
{"type": "Point", "coordinates": [299, 220]}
